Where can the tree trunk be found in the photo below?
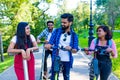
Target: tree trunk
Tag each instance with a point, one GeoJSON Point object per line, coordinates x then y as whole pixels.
{"type": "Point", "coordinates": [1, 49]}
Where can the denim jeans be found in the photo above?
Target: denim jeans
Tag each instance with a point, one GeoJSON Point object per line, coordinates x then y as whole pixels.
{"type": "Point", "coordinates": [105, 69]}
{"type": "Point", "coordinates": [65, 71]}
{"type": "Point", "coordinates": [47, 53]}
{"type": "Point", "coordinates": [105, 66]}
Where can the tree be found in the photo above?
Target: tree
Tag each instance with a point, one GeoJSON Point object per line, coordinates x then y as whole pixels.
{"type": "Point", "coordinates": [109, 8]}
{"type": "Point", "coordinates": [14, 11]}
{"type": "Point", "coordinates": [81, 15]}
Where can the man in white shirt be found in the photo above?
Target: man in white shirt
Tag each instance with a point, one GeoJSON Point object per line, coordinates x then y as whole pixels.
{"type": "Point", "coordinates": [46, 33]}
{"type": "Point", "coordinates": [65, 42]}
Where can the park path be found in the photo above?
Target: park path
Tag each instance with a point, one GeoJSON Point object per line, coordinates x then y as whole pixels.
{"type": "Point", "coordinates": [78, 72]}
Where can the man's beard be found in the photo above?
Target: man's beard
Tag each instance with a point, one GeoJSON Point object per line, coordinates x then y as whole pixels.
{"type": "Point", "coordinates": [65, 28]}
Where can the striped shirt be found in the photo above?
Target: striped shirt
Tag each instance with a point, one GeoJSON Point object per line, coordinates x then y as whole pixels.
{"type": "Point", "coordinates": [44, 33]}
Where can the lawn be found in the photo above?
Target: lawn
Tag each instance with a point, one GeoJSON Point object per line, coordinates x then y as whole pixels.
{"type": "Point", "coordinates": [116, 62]}
{"type": "Point", "coordinates": [8, 61]}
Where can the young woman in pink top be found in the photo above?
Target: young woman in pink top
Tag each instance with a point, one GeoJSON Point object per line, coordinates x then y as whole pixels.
{"type": "Point", "coordinates": [22, 45]}
{"type": "Point", "coordinates": [107, 48]}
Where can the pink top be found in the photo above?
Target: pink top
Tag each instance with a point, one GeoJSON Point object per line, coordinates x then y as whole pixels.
{"type": "Point", "coordinates": [113, 46]}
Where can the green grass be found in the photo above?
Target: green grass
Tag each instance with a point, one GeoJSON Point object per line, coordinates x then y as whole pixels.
{"type": "Point", "coordinates": [83, 40]}
{"type": "Point", "coordinates": [116, 62]}
{"type": "Point", "coordinates": [8, 61]}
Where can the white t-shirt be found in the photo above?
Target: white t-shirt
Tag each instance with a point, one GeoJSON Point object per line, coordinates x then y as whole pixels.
{"type": "Point", "coordinates": [49, 36]}
{"type": "Point", "coordinates": [64, 55]}
{"type": "Point", "coordinates": [14, 39]}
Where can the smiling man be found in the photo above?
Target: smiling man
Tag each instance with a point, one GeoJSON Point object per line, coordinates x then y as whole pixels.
{"type": "Point", "coordinates": [46, 33]}
{"type": "Point", "coordinates": [65, 42]}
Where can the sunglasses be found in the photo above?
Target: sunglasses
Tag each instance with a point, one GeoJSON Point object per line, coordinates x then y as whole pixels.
{"type": "Point", "coordinates": [65, 37]}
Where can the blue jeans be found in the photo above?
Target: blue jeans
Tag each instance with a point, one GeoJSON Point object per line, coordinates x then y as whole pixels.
{"type": "Point", "coordinates": [105, 66]}
{"type": "Point", "coordinates": [66, 71]}
{"type": "Point", "coordinates": [105, 69]}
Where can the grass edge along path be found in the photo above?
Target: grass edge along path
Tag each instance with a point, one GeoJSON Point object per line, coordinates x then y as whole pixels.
{"type": "Point", "coordinates": [8, 61]}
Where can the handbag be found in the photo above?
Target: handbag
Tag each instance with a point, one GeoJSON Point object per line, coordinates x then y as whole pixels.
{"type": "Point", "coordinates": [94, 68]}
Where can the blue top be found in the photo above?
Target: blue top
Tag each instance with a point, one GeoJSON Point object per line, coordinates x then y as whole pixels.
{"type": "Point", "coordinates": [55, 38]}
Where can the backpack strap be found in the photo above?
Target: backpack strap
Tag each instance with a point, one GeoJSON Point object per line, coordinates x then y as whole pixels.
{"type": "Point", "coordinates": [109, 43]}
{"type": "Point", "coordinates": [96, 41]}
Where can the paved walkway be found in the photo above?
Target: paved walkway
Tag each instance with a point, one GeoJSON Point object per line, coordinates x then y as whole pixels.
{"type": "Point", "coordinates": [79, 71]}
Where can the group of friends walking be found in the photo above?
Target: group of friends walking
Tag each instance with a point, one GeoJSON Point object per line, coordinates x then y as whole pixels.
{"type": "Point", "coordinates": [24, 43]}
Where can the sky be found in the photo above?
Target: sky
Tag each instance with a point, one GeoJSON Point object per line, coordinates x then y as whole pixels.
{"type": "Point", "coordinates": [53, 9]}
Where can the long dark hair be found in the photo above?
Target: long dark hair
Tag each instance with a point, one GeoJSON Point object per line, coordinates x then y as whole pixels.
{"type": "Point", "coordinates": [22, 38]}
{"type": "Point", "coordinates": [106, 29]}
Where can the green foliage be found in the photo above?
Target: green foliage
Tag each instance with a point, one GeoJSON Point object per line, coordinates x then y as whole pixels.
{"type": "Point", "coordinates": [14, 11]}
{"type": "Point", "coordinates": [49, 1]}
{"type": "Point", "coordinates": [81, 17]}
{"type": "Point", "coordinates": [57, 22]}
{"type": "Point", "coordinates": [101, 2]}
{"type": "Point", "coordinates": [107, 12]}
